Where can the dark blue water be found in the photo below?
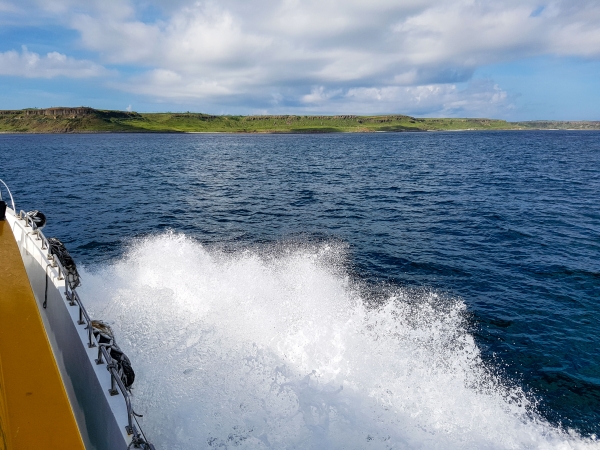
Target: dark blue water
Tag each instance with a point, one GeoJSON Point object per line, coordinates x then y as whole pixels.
{"type": "Point", "coordinates": [507, 221]}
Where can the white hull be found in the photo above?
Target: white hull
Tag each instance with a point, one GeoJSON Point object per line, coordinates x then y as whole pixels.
{"type": "Point", "coordinates": [103, 419]}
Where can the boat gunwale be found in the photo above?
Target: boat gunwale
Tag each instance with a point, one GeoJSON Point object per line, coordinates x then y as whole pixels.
{"type": "Point", "coordinates": [34, 244]}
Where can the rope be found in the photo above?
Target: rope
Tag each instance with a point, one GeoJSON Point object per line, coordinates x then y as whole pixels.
{"type": "Point", "coordinates": [119, 360]}
{"type": "Point", "coordinates": [46, 290]}
{"type": "Point", "coordinates": [38, 218]}
{"type": "Point", "coordinates": [57, 248]}
{"type": "Point", "coordinates": [140, 442]}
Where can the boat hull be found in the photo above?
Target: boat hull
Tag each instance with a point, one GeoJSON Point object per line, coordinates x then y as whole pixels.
{"type": "Point", "coordinates": [101, 417]}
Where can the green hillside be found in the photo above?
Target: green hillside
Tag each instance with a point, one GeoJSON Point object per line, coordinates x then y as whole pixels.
{"type": "Point", "coordinates": [88, 120]}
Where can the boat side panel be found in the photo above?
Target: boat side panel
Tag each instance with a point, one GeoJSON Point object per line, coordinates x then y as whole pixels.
{"type": "Point", "coordinates": [37, 406]}
{"type": "Point", "coordinates": [86, 383]}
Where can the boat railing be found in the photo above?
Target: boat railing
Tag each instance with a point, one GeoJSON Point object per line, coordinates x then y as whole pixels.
{"type": "Point", "coordinates": [115, 380]}
{"type": "Point", "coordinates": [9, 194]}
{"type": "Point", "coordinates": [73, 298]}
{"type": "Point", "coordinates": [72, 295]}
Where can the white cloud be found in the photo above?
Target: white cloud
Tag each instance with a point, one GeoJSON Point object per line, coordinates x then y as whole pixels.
{"type": "Point", "coordinates": [32, 65]}
{"type": "Point", "coordinates": [318, 95]}
{"type": "Point", "coordinates": [481, 98]}
{"type": "Point", "coordinates": [465, 33]}
{"type": "Point", "coordinates": [167, 84]}
{"type": "Point", "coordinates": [274, 52]}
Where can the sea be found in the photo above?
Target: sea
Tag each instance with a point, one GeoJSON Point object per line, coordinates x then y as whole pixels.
{"type": "Point", "coordinates": [436, 290]}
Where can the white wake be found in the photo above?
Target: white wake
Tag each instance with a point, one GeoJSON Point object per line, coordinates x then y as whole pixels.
{"type": "Point", "coordinates": [275, 349]}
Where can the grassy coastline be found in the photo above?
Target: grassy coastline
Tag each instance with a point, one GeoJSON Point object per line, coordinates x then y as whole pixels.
{"type": "Point", "coordinates": [88, 120]}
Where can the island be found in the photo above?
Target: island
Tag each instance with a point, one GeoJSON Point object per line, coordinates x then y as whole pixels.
{"type": "Point", "coordinates": [89, 120]}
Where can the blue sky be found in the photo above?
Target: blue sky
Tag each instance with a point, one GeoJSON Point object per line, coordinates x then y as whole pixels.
{"type": "Point", "coordinates": [516, 60]}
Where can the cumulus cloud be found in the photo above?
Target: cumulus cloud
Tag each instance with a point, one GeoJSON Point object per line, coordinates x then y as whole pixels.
{"type": "Point", "coordinates": [480, 98]}
{"type": "Point", "coordinates": [338, 38]}
{"type": "Point", "coordinates": [171, 85]}
{"type": "Point", "coordinates": [32, 65]}
{"type": "Point", "coordinates": [318, 96]}
{"type": "Point", "coordinates": [309, 53]}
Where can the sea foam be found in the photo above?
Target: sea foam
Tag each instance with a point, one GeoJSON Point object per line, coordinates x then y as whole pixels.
{"type": "Point", "coordinates": [280, 348]}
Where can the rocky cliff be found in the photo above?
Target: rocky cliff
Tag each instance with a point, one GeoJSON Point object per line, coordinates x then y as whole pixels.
{"type": "Point", "coordinates": [69, 113]}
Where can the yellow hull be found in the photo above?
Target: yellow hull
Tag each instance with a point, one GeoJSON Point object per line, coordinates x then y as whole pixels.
{"type": "Point", "coordinates": [35, 412]}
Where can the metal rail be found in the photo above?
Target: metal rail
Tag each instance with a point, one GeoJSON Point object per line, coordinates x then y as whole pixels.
{"type": "Point", "coordinates": [84, 319]}
{"type": "Point", "coordinates": [9, 194]}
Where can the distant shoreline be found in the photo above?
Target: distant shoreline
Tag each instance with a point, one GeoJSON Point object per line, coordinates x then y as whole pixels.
{"type": "Point", "coordinates": [89, 120]}
{"type": "Point", "coordinates": [29, 133]}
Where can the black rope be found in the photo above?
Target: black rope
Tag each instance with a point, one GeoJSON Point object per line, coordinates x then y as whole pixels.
{"type": "Point", "coordinates": [38, 218]}
{"type": "Point", "coordinates": [58, 249]}
{"type": "Point", "coordinates": [46, 290]}
{"type": "Point", "coordinates": [140, 442]}
{"type": "Point", "coordinates": [119, 360]}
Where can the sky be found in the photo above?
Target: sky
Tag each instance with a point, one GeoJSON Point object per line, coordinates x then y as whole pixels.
{"type": "Point", "coordinates": [506, 59]}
